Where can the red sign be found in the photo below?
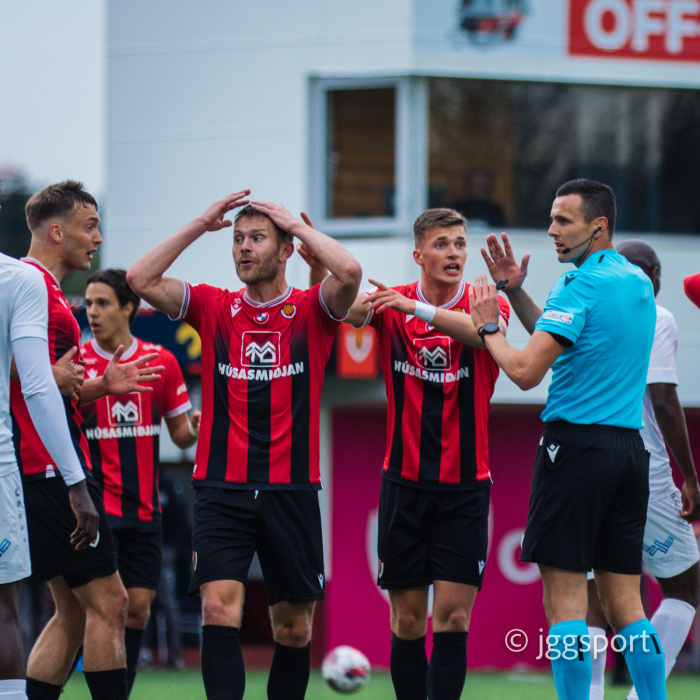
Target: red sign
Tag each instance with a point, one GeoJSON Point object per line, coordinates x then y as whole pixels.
{"type": "Point", "coordinates": [648, 29]}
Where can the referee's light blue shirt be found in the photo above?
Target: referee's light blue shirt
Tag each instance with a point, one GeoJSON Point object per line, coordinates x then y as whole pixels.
{"type": "Point", "coordinates": [606, 310]}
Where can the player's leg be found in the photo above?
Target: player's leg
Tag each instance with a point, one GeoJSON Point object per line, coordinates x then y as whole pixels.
{"type": "Point", "coordinates": [224, 537]}
{"type": "Point", "coordinates": [403, 547]}
{"type": "Point", "coordinates": [137, 616]}
{"type": "Point", "coordinates": [12, 663]}
{"type": "Point", "coordinates": [597, 626]}
{"type": "Point", "coordinates": [290, 549]}
{"type": "Point", "coordinates": [54, 651]}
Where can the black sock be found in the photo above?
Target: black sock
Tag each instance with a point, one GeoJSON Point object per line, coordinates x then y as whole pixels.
{"type": "Point", "coordinates": [409, 668]}
{"type": "Point", "coordinates": [448, 666]}
{"type": "Point", "coordinates": [132, 639]}
{"type": "Point", "coordinates": [38, 690]}
{"type": "Point", "coordinates": [223, 671]}
{"type": "Point", "coordinates": [107, 685]}
{"type": "Point", "coordinates": [289, 673]}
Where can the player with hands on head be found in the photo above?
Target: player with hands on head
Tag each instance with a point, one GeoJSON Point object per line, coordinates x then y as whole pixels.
{"type": "Point", "coordinates": [434, 497]}
{"type": "Point", "coordinates": [264, 349]}
{"type": "Point", "coordinates": [591, 479]}
{"type": "Point", "coordinates": [123, 434]}
{"type": "Point", "coordinates": [78, 563]}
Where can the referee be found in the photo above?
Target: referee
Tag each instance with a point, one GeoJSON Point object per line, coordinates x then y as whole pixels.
{"type": "Point", "coordinates": [590, 482]}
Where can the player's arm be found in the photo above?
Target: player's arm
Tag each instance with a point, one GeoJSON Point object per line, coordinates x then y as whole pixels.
{"type": "Point", "coordinates": [691, 286]}
{"type": "Point", "coordinates": [67, 374]}
{"type": "Point", "coordinates": [340, 287]}
{"type": "Point", "coordinates": [503, 268]}
{"type": "Point", "coordinates": [671, 420]}
{"type": "Point", "coordinates": [122, 378]}
{"type": "Point", "coordinates": [526, 367]}
{"type": "Point", "coordinates": [184, 429]}
{"type": "Point", "coordinates": [146, 275]}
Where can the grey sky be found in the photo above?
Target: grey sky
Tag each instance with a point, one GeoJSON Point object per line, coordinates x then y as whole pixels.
{"type": "Point", "coordinates": [52, 93]}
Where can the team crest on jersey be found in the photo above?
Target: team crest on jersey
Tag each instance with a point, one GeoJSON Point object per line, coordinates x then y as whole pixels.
{"type": "Point", "coordinates": [124, 410]}
{"type": "Point", "coordinates": [260, 348]}
{"type": "Point", "coordinates": [262, 317]}
{"type": "Point", "coordinates": [459, 309]}
{"type": "Point", "coordinates": [433, 353]}
{"type": "Point", "coordinates": [288, 310]}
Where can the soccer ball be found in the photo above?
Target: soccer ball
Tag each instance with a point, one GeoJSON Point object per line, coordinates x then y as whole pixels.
{"type": "Point", "coordinates": [345, 669]}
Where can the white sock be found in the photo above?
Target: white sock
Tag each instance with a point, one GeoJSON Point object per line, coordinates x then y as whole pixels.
{"type": "Point", "coordinates": [672, 621]}
{"type": "Point", "coordinates": [13, 689]}
{"type": "Point", "coordinates": [598, 641]}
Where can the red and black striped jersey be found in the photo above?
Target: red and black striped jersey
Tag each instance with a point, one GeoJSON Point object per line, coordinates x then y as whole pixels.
{"type": "Point", "coordinates": [34, 460]}
{"type": "Point", "coordinates": [439, 393]}
{"type": "Point", "coordinates": [262, 370]}
{"type": "Point", "coordinates": [124, 432]}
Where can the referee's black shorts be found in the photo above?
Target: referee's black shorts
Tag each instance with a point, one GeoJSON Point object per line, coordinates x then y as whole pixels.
{"type": "Point", "coordinates": [588, 501]}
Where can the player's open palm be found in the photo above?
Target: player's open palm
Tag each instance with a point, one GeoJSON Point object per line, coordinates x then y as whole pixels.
{"type": "Point", "coordinates": [125, 377]}
{"type": "Point", "coordinates": [501, 263]}
{"type": "Point", "coordinates": [214, 217]}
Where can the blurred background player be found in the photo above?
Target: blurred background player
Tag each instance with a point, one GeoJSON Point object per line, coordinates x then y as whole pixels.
{"type": "Point", "coordinates": [590, 483]}
{"type": "Point", "coordinates": [89, 596]}
{"type": "Point", "coordinates": [264, 349]}
{"type": "Point", "coordinates": [670, 548]}
{"type": "Point", "coordinates": [434, 498]}
{"type": "Point", "coordinates": [23, 325]}
{"type": "Point", "coordinates": [124, 438]}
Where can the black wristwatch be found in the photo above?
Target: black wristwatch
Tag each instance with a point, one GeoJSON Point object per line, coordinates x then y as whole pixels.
{"type": "Point", "coordinates": [488, 329]}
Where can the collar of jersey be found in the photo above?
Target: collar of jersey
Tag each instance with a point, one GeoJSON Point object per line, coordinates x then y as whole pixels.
{"type": "Point", "coordinates": [33, 261]}
{"type": "Point", "coordinates": [107, 356]}
{"type": "Point", "coordinates": [594, 258]}
{"type": "Point", "coordinates": [265, 304]}
{"type": "Point", "coordinates": [450, 303]}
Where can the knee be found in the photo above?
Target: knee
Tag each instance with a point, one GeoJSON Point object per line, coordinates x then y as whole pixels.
{"type": "Point", "coordinates": [137, 617]}
{"type": "Point", "coordinates": [453, 620]}
{"type": "Point", "coordinates": [295, 633]}
{"type": "Point", "coordinates": [216, 612]}
{"type": "Point", "coordinates": [406, 624]}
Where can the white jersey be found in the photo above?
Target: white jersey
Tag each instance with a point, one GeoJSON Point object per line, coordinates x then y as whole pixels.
{"type": "Point", "coordinates": [662, 370]}
{"type": "Point", "coordinates": [23, 314]}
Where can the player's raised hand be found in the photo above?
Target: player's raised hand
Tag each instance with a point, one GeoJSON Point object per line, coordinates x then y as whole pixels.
{"type": "Point", "coordinates": [125, 377]}
{"type": "Point", "coordinates": [213, 218]}
{"type": "Point", "coordinates": [281, 216]}
{"type": "Point", "coordinates": [690, 493]}
{"type": "Point", "coordinates": [68, 375]}
{"type": "Point", "coordinates": [501, 262]}
{"type": "Point", "coordinates": [85, 513]}
{"type": "Point", "coordinates": [483, 302]}
{"type": "Point", "coordinates": [388, 298]}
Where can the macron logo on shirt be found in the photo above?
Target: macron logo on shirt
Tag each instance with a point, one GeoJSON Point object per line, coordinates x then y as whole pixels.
{"type": "Point", "coordinates": [558, 316]}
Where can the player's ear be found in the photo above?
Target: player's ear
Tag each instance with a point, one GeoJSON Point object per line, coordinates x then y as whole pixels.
{"type": "Point", "coordinates": [286, 250]}
{"type": "Point", "coordinates": [418, 256]}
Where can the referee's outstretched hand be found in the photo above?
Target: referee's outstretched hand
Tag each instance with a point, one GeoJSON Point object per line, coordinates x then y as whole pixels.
{"type": "Point", "coordinates": [85, 513]}
{"type": "Point", "coordinates": [501, 262]}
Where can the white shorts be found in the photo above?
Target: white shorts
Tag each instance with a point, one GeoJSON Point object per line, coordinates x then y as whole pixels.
{"type": "Point", "coordinates": [14, 540]}
{"type": "Point", "coordinates": [670, 547]}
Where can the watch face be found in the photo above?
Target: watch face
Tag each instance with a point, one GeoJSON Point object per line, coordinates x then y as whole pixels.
{"type": "Point", "coordinates": [491, 327]}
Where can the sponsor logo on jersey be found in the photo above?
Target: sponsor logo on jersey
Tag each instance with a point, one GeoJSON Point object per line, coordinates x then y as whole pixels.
{"type": "Point", "coordinates": [262, 317]}
{"type": "Point", "coordinates": [127, 431]}
{"type": "Point", "coordinates": [4, 546]}
{"type": "Point", "coordinates": [558, 316]}
{"type": "Point", "coordinates": [90, 360]}
{"type": "Point", "coordinates": [260, 348]}
{"type": "Point", "coordinates": [482, 563]}
{"type": "Point", "coordinates": [181, 389]}
{"type": "Point", "coordinates": [433, 353]}
{"type": "Point", "coordinates": [235, 308]}
{"type": "Point", "coordinates": [288, 310]}
{"type": "Point", "coordinates": [320, 580]}
{"type": "Point", "coordinates": [96, 541]}
{"type": "Point", "coordinates": [663, 547]}
{"type": "Point", "coordinates": [92, 373]}
{"type": "Point", "coordinates": [436, 376]}
{"type": "Point", "coordinates": [125, 410]}
{"type": "Point", "coordinates": [263, 375]}
{"type": "Point", "coordinates": [152, 347]}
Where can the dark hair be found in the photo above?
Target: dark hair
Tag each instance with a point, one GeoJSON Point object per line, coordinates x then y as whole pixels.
{"type": "Point", "coordinates": [436, 218]}
{"type": "Point", "coordinates": [116, 279]}
{"type": "Point", "coordinates": [56, 201]}
{"type": "Point", "coordinates": [250, 212]}
{"type": "Point", "coordinates": [598, 200]}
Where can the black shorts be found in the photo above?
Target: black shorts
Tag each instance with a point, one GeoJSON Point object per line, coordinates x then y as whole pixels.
{"type": "Point", "coordinates": [284, 527]}
{"type": "Point", "coordinates": [431, 535]}
{"type": "Point", "coordinates": [139, 553]}
{"type": "Point", "coordinates": [588, 502]}
{"type": "Point", "coordinates": [51, 521]}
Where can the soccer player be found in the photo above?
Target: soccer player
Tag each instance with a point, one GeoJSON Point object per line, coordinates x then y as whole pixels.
{"type": "Point", "coordinates": [590, 483]}
{"type": "Point", "coordinates": [691, 285]}
{"type": "Point", "coordinates": [670, 548]}
{"type": "Point", "coordinates": [23, 324]}
{"type": "Point", "coordinates": [434, 498]}
{"type": "Point", "coordinates": [256, 472]}
{"type": "Point", "coordinates": [123, 435]}
{"type": "Point", "coordinates": [89, 596]}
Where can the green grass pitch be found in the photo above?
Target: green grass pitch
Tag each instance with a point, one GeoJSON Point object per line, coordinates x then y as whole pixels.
{"type": "Point", "coordinates": [187, 685]}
